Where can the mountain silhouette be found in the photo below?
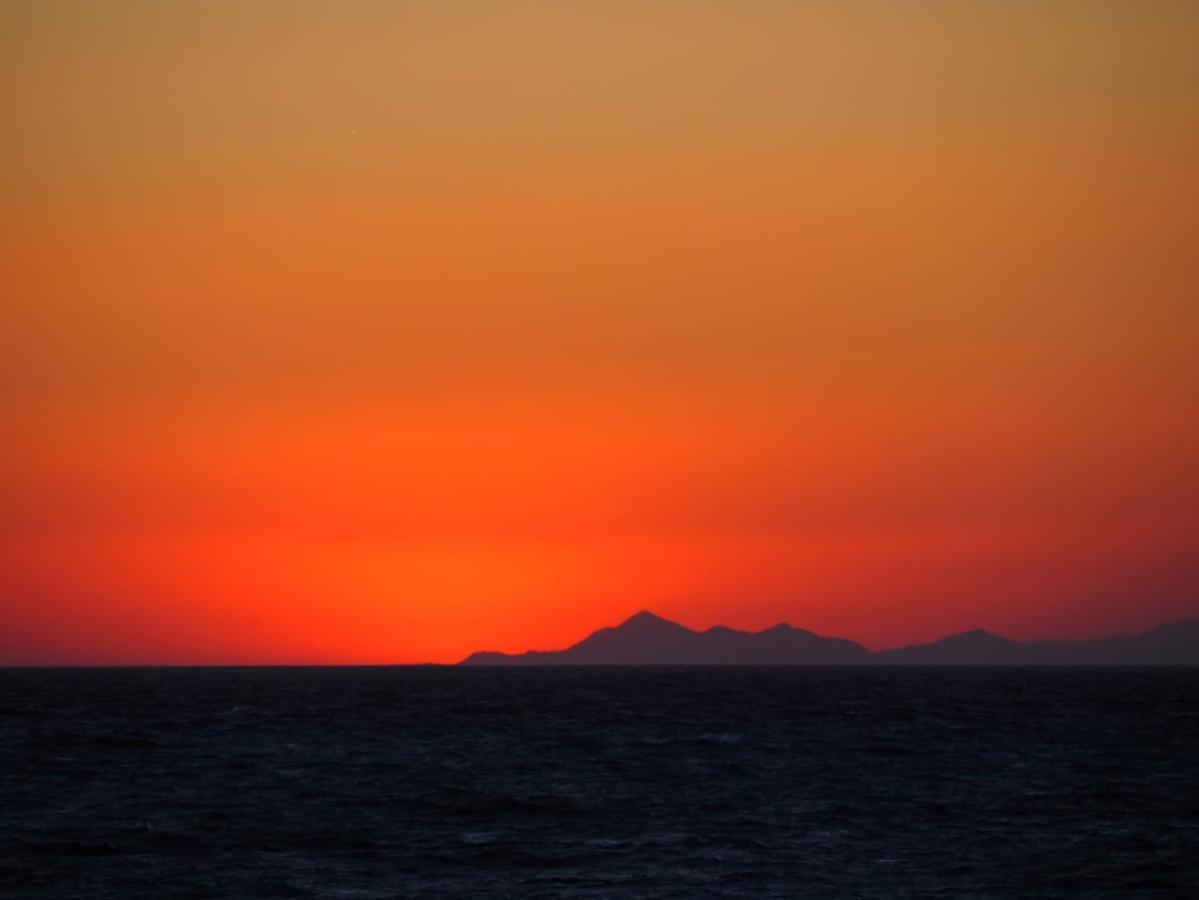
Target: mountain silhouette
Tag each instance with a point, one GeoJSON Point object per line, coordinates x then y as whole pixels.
{"type": "Point", "coordinates": [1173, 644]}
{"type": "Point", "coordinates": [646, 639]}
{"type": "Point", "coordinates": [976, 647]}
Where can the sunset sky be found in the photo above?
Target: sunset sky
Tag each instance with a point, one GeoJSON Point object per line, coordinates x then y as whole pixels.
{"type": "Point", "coordinates": [361, 332]}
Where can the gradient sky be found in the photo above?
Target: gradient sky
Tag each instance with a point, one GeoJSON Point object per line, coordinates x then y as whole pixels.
{"type": "Point", "coordinates": [389, 331]}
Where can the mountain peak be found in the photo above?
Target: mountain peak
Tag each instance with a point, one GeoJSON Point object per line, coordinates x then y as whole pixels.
{"type": "Point", "coordinates": [644, 617]}
{"type": "Point", "coordinates": [646, 625]}
{"type": "Point", "coordinates": [1182, 626]}
{"type": "Point", "coordinates": [977, 636]}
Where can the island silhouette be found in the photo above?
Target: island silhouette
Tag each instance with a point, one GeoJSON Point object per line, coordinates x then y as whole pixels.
{"type": "Point", "coordinates": [646, 639]}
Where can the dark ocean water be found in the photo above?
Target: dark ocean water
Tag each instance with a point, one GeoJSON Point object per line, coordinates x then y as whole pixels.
{"type": "Point", "coordinates": [380, 783]}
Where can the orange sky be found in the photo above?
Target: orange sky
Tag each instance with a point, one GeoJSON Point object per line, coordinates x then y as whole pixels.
{"type": "Point", "coordinates": [383, 332]}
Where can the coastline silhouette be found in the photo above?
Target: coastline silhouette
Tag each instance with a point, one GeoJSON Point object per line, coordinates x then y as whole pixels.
{"type": "Point", "coordinates": [648, 639]}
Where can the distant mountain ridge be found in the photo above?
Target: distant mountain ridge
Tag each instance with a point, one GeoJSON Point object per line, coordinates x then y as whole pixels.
{"type": "Point", "coordinates": [646, 639]}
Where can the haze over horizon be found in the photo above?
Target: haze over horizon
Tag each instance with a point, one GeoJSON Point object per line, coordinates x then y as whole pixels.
{"type": "Point", "coordinates": [387, 332]}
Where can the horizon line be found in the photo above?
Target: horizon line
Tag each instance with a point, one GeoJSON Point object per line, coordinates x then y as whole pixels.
{"type": "Point", "coordinates": [5, 666]}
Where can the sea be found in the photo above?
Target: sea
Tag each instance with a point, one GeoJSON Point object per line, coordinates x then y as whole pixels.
{"type": "Point", "coordinates": [373, 783]}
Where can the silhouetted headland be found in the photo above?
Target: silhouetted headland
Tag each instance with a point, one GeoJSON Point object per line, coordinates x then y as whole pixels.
{"type": "Point", "coordinates": [647, 639]}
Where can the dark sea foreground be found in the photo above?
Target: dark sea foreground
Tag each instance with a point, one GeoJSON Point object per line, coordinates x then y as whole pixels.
{"type": "Point", "coordinates": [397, 782]}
